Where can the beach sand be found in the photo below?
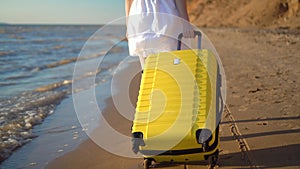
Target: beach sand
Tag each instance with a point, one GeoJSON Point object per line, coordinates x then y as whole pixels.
{"type": "Point", "coordinates": [262, 129]}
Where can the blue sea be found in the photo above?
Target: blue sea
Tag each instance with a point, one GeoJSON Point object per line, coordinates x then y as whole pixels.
{"type": "Point", "coordinates": [30, 55]}
{"type": "Point", "coordinates": [37, 118]}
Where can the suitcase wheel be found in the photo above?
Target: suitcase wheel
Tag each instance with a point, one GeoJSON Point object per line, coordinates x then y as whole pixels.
{"type": "Point", "coordinates": [205, 146]}
{"type": "Point", "coordinates": [147, 163]}
{"type": "Point", "coordinates": [137, 141]}
{"type": "Point", "coordinates": [185, 166]}
{"type": "Point", "coordinates": [213, 160]}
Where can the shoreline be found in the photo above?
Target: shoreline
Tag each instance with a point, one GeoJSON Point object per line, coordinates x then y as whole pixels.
{"type": "Point", "coordinates": [27, 114]}
{"type": "Point", "coordinates": [89, 153]}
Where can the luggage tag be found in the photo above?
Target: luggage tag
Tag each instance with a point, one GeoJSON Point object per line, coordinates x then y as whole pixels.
{"type": "Point", "coordinates": [176, 61]}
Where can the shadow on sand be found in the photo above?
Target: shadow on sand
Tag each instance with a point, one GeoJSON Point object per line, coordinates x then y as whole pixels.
{"type": "Point", "coordinates": [276, 157]}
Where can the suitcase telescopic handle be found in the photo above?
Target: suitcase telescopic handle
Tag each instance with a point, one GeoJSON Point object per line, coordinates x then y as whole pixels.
{"type": "Point", "coordinates": [197, 33]}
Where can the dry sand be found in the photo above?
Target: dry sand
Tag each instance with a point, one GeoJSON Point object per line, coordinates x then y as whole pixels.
{"type": "Point", "coordinates": [245, 13]}
{"type": "Point", "coordinates": [262, 69]}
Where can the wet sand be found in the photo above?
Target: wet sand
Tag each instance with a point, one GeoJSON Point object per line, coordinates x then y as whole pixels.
{"type": "Point", "coordinates": [262, 128]}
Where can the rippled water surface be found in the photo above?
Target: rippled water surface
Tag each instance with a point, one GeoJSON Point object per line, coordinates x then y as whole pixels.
{"type": "Point", "coordinates": [33, 56]}
{"type": "Point", "coordinates": [36, 69]}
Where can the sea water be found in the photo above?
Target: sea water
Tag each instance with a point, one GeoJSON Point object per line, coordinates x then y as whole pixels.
{"type": "Point", "coordinates": [37, 117]}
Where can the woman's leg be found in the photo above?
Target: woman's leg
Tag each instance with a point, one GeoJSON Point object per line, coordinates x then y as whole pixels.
{"type": "Point", "coordinates": [142, 61]}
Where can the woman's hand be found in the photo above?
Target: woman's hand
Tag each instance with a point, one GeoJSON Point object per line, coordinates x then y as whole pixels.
{"type": "Point", "coordinates": [188, 30]}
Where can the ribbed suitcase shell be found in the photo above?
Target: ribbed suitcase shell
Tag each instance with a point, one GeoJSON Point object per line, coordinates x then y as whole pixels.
{"type": "Point", "coordinates": [177, 97]}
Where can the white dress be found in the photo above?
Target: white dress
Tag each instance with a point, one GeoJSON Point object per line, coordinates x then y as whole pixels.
{"type": "Point", "coordinates": [153, 26]}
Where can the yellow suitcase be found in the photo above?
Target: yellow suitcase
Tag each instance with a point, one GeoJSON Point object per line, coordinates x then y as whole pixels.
{"type": "Point", "coordinates": [178, 109]}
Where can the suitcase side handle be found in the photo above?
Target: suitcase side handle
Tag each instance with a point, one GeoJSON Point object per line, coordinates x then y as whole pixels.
{"type": "Point", "coordinates": [197, 33]}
